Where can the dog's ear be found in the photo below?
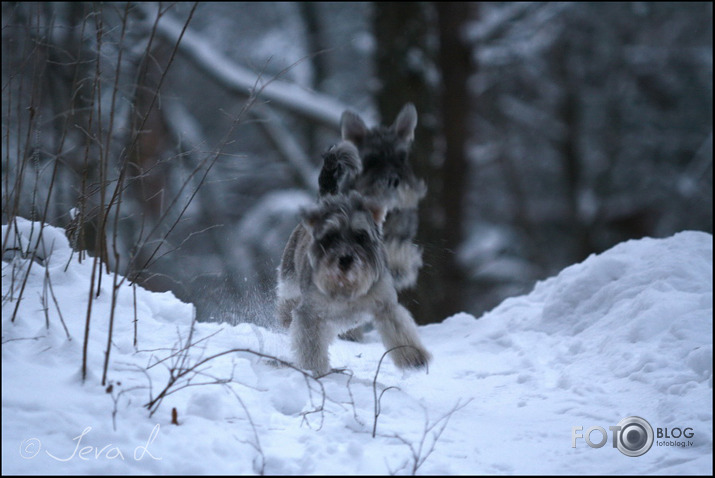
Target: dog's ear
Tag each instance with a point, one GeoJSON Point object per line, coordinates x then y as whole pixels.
{"type": "Point", "coordinates": [352, 128]}
{"type": "Point", "coordinates": [406, 122]}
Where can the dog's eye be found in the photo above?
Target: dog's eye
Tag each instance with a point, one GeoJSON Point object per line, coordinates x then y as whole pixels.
{"type": "Point", "coordinates": [329, 240]}
{"type": "Point", "coordinates": [362, 238]}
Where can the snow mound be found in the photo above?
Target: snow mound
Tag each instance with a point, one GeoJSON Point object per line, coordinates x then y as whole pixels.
{"type": "Point", "coordinates": [624, 333]}
{"type": "Point", "coordinates": [24, 237]}
{"type": "Point", "coordinates": [641, 310]}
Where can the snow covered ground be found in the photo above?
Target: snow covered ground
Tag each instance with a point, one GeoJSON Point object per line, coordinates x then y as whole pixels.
{"type": "Point", "coordinates": [625, 333]}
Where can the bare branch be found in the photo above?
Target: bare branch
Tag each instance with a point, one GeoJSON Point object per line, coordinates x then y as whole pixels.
{"type": "Point", "coordinates": [377, 399]}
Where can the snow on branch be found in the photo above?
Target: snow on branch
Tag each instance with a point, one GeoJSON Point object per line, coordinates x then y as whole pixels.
{"type": "Point", "coordinates": [287, 146]}
{"type": "Point", "coordinates": [320, 108]}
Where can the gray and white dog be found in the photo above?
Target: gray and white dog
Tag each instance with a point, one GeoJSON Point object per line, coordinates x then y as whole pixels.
{"type": "Point", "coordinates": [386, 177]}
{"type": "Point", "coordinates": [333, 277]}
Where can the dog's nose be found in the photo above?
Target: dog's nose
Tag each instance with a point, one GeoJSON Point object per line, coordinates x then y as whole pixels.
{"type": "Point", "coordinates": [345, 262]}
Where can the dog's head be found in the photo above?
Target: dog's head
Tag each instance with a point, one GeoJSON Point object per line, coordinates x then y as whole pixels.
{"type": "Point", "coordinates": [387, 175]}
{"type": "Point", "coordinates": [346, 252]}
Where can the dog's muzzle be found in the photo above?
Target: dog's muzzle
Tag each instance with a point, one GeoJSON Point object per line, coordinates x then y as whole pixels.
{"type": "Point", "coordinates": [347, 276]}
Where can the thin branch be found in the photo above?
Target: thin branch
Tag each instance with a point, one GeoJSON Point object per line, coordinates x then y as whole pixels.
{"type": "Point", "coordinates": [54, 299]}
{"type": "Point", "coordinates": [376, 399]}
{"type": "Point", "coordinates": [425, 448]}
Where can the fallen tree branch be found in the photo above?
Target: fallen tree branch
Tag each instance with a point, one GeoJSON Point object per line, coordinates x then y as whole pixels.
{"type": "Point", "coordinates": [315, 106]}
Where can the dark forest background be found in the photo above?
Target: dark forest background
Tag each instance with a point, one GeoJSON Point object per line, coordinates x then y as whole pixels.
{"type": "Point", "coordinates": [176, 142]}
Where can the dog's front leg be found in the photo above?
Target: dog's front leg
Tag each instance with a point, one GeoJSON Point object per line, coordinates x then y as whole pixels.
{"type": "Point", "coordinates": [310, 339]}
{"type": "Point", "coordinates": [398, 329]}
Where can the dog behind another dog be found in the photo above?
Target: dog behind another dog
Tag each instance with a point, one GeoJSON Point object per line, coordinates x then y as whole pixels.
{"type": "Point", "coordinates": [387, 177]}
{"type": "Point", "coordinates": [334, 277]}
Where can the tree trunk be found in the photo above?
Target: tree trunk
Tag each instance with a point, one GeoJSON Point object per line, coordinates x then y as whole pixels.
{"type": "Point", "coordinates": [405, 60]}
{"type": "Point", "coordinates": [455, 63]}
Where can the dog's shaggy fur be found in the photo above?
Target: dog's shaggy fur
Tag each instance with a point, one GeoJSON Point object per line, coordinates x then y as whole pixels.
{"type": "Point", "coordinates": [387, 177]}
{"type": "Point", "coordinates": [334, 277]}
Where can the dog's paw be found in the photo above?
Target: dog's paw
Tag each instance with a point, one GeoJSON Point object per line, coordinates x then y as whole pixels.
{"type": "Point", "coordinates": [353, 335]}
{"type": "Point", "coordinates": [410, 356]}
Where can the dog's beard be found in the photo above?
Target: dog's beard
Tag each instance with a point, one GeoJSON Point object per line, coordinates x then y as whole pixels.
{"type": "Point", "coordinates": [347, 284]}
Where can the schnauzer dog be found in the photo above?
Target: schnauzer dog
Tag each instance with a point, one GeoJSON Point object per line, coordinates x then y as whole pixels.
{"type": "Point", "coordinates": [387, 178]}
{"type": "Point", "coordinates": [333, 277]}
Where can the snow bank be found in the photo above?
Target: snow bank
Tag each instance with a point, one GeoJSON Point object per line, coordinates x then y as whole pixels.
{"type": "Point", "coordinates": [625, 333]}
{"type": "Point", "coordinates": [49, 243]}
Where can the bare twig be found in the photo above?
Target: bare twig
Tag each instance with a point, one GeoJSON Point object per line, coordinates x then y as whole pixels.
{"type": "Point", "coordinates": [136, 321]}
{"type": "Point", "coordinates": [377, 399]}
{"type": "Point", "coordinates": [111, 390]}
{"type": "Point", "coordinates": [430, 436]}
{"type": "Point", "coordinates": [54, 299]}
{"type": "Point", "coordinates": [18, 339]}
{"type": "Point", "coordinates": [259, 465]}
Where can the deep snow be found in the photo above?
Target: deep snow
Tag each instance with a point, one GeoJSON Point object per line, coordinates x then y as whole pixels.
{"type": "Point", "coordinates": [625, 333]}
